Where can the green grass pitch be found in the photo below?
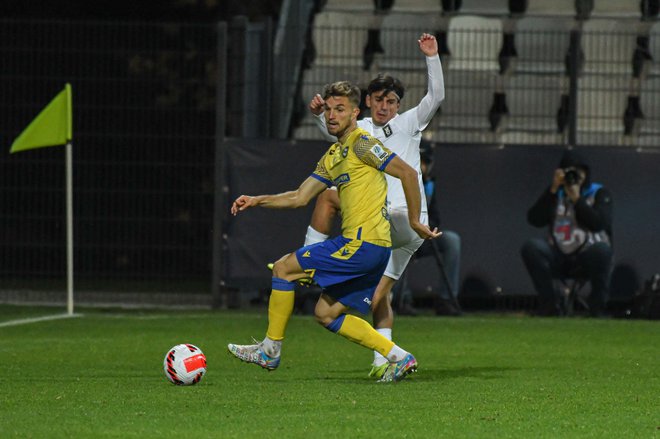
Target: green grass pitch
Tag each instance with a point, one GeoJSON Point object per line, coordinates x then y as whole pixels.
{"type": "Point", "coordinates": [480, 376]}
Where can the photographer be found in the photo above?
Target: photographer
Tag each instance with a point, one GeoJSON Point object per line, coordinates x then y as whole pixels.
{"type": "Point", "coordinates": [579, 216]}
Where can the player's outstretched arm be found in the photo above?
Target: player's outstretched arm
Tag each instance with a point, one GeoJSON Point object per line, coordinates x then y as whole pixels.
{"type": "Point", "coordinates": [409, 180]}
{"type": "Point", "coordinates": [309, 189]}
{"type": "Point", "coordinates": [435, 92]}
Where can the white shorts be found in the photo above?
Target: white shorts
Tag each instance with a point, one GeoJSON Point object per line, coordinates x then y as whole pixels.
{"type": "Point", "coordinates": [405, 242]}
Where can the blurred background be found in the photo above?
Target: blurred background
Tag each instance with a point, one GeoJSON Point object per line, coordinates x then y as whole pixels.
{"type": "Point", "coordinates": [181, 105]}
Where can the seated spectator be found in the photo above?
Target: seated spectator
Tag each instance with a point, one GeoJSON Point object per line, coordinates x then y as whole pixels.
{"type": "Point", "coordinates": [578, 214]}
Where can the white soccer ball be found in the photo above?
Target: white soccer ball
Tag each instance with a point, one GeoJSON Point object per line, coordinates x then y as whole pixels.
{"type": "Point", "coordinates": [184, 364]}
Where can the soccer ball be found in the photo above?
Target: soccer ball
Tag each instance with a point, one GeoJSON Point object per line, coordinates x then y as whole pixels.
{"type": "Point", "coordinates": [184, 364]}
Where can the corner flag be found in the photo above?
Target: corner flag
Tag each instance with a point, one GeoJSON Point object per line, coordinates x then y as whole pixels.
{"type": "Point", "coordinates": [51, 127]}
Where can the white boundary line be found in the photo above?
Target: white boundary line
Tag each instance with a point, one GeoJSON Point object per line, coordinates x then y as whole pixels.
{"type": "Point", "coordinates": [38, 319]}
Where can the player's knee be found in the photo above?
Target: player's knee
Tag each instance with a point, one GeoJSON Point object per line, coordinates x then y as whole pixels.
{"type": "Point", "coordinates": [323, 316]}
{"type": "Point", "coordinates": [280, 269]}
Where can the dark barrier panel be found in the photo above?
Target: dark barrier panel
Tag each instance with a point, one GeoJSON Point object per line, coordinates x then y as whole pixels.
{"type": "Point", "coordinates": [484, 194]}
{"type": "Point", "coordinates": [259, 236]}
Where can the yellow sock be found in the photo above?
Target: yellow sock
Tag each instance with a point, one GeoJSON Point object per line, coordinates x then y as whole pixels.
{"type": "Point", "coordinates": [359, 331]}
{"type": "Point", "coordinates": [280, 308]}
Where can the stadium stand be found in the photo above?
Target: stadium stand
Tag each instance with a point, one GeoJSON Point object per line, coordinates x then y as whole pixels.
{"type": "Point", "coordinates": [399, 34]}
{"type": "Point", "coordinates": [553, 8]}
{"type": "Point", "coordinates": [608, 46]}
{"type": "Point", "coordinates": [542, 44]}
{"type": "Point", "coordinates": [340, 38]}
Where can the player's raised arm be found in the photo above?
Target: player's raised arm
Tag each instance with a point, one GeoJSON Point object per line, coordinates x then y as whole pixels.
{"type": "Point", "coordinates": [435, 92]}
{"type": "Point", "coordinates": [409, 180]}
{"type": "Point", "coordinates": [309, 189]}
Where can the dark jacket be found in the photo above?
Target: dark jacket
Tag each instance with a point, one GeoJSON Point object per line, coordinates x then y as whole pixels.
{"type": "Point", "coordinates": [594, 218]}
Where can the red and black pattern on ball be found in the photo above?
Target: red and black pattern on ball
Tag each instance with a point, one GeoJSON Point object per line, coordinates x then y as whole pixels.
{"type": "Point", "coordinates": [192, 348]}
{"type": "Point", "coordinates": [170, 369]}
{"type": "Point", "coordinates": [197, 377]}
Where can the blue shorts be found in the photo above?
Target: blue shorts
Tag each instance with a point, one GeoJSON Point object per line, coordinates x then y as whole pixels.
{"type": "Point", "coordinates": [348, 270]}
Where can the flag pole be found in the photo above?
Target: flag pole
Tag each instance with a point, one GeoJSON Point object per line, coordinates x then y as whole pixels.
{"type": "Point", "coordinates": [69, 227]}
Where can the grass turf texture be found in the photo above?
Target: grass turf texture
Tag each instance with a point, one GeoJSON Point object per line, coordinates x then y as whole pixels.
{"type": "Point", "coordinates": [480, 376]}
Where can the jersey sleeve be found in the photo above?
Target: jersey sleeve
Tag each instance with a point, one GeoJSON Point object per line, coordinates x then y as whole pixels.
{"type": "Point", "coordinates": [372, 152]}
{"type": "Point", "coordinates": [321, 173]}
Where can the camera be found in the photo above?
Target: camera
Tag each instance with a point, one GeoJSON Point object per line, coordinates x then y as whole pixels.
{"type": "Point", "coordinates": [571, 176]}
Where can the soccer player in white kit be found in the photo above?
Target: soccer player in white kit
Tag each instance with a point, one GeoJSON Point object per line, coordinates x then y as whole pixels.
{"type": "Point", "coordinates": [401, 133]}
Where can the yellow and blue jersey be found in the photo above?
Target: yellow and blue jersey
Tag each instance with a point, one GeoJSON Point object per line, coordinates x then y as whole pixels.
{"type": "Point", "coordinates": [355, 167]}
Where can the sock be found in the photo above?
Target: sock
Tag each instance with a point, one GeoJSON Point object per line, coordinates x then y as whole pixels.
{"type": "Point", "coordinates": [272, 348]}
{"type": "Point", "coordinates": [313, 237]}
{"type": "Point", "coordinates": [280, 308]}
{"type": "Point", "coordinates": [396, 354]}
{"type": "Point", "coordinates": [359, 331]}
{"type": "Point", "coordinates": [378, 358]}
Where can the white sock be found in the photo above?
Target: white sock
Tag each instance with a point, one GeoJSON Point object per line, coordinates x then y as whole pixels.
{"type": "Point", "coordinates": [379, 359]}
{"type": "Point", "coordinates": [272, 348]}
{"type": "Point", "coordinates": [313, 237]}
{"type": "Point", "coordinates": [396, 354]}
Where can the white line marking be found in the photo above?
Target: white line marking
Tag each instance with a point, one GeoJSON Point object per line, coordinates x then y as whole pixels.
{"type": "Point", "coordinates": [38, 319]}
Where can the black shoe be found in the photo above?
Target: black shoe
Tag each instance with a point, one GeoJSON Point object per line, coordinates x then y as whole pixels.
{"type": "Point", "coordinates": [448, 308]}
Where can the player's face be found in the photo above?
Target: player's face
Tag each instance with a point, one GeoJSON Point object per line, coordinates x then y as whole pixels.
{"type": "Point", "coordinates": [340, 115]}
{"type": "Point", "coordinates": [384, 105]}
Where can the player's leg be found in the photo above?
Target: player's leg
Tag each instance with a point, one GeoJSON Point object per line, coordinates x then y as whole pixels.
{"type": "Point", "coordinates": [325, 211]}
{"type": "Point", "coordinates": [404, 243]}
{"type": "Point", "coordinates": [280, 307]}
{"type": "Point", "coordinates": [332, 315]}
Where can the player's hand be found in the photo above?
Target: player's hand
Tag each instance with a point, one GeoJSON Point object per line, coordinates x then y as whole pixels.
{"type": "Point", "coordinates": [424, 232]}
{"type": "Point", "coordinates": [428, 44]}
{"type": "Point", "coordinates": [316, 105]}
{"type": "Point", "coordinates": [241, 203]}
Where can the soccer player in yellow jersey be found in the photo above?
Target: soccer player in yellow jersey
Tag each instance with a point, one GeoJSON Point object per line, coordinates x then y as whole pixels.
{"type": "Point", "coordinates": [348, 267]}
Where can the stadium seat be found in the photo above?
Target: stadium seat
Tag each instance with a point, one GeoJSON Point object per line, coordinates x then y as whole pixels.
{"type": "Point", "coordinates": [533, 102]}
{"type": "Point", "coordinates": [602, 103]}
{"type": "Point", "coordinates": [469, 96]}
{"type": "Point", "coordinates": [517, 137]}
{"type": "Point", "coordinates": [616, 9]}
{"type": "Point", "coordinates": [542, 44]}
{"type": "Point", "coordinates": [608, 46]}
{"type": "Point", "coordinates": [430, 7]}
{"type": "Point", "coordinates": [348, 6]}
{"type": "Point", "coordinates": [399, 35]}
{"type": "Point", "coordinates": [654, 48]}
{"type": "Point", "coordinates": [340, 37]}
{"type": "Point", "coordinates": [551, 8]}
{"type": "Point", "coordinates": [485, 7]}
{"type": "Point", "coordinates": [475, 43]}
{"type": "Point", "coordinates": [649, 97]}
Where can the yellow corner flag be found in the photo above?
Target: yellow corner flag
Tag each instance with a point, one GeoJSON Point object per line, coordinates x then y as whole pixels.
{"type": "Point", "coordinates": [51, 127]}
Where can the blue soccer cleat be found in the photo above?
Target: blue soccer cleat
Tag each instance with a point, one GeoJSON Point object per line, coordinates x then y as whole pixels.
{"type": "Point", "coordinates": [254, 353]}
{"type": "Point", "coordinates": [399, 370]}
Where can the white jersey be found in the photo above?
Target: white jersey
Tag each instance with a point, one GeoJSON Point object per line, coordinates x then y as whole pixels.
{"type": "Point", "coordinates": [403, 133]}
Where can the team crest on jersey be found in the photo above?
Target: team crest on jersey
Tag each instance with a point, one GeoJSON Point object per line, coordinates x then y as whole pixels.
{"type": "Point", "coordinates": [387, 130]}
{"type": "Point", "coordinates": [378, 151]}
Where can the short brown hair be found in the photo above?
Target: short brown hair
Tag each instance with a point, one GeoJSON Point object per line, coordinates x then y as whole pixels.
{"type": "Point", "coordinates": [343, 88]}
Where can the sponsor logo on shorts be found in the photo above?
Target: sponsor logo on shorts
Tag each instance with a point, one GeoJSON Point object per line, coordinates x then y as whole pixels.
{"type": "Point", "coordinates": [367, 301]}
{"type": "Point", "coordinates": [306, 254]}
